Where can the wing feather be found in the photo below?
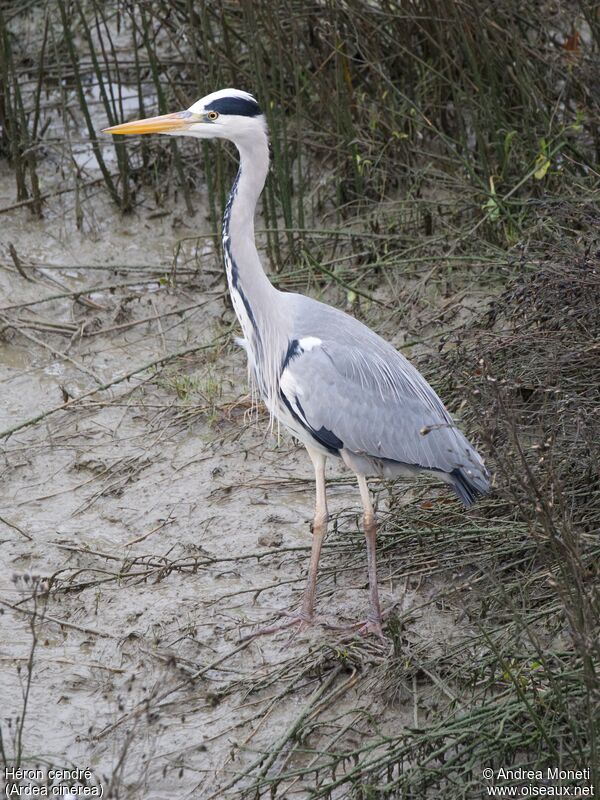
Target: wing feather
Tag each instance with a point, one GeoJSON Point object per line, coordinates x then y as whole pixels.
{"type": "Point", "coordinates": [376, 403]}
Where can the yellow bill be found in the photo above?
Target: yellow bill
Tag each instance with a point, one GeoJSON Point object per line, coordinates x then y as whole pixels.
{"type": "Point", "coordinates": [166, 123]}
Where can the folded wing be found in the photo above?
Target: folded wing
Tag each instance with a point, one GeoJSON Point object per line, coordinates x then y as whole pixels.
{"type": "Point", "coordinates": [371, 401]}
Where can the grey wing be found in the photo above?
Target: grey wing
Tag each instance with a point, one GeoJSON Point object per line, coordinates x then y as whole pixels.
{"type": "Point", "coordinates": [368, 399]}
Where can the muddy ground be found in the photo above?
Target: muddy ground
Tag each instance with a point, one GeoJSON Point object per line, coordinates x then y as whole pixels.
{"type": "Point", "coordinates": [166, 520]}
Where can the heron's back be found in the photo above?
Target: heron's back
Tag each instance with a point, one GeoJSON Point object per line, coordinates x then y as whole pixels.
{"type": "Point", "coordinates": [349, 392]}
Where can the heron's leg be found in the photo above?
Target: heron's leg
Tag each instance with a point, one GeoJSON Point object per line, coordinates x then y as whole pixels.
{"type": "Point", "coordinates": [318, 534]}
{"type": "Point", "coordinates": [304, 615]}
{"type": "Point", "coordinates": [373, 622]}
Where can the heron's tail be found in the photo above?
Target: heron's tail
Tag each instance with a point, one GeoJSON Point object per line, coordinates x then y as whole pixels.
{"type": "Point", "coordinates": [469, 484]}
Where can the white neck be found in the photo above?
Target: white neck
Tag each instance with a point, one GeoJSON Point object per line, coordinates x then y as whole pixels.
{"type": "Point", "coordinates": [254, 166]}
{"type": "Point", "coordinates": [244, 270]}
{"type": "Point", "coordinates": [254, 298]}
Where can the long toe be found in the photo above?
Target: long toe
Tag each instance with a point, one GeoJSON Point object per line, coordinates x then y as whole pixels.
{"type": "Point", "coordinates": [371, 626]}
{"type": "Point", "coordinates": [362, 628]}
{"type": "Point", "coordinates": [295, 619]}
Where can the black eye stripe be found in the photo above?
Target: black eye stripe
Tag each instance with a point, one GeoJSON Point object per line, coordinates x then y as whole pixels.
{"type": "Point", "coordinates": [235, 105]}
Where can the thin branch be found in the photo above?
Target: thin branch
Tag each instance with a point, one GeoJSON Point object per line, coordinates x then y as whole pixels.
{"type": "Point", "coordinates": [103, 387]}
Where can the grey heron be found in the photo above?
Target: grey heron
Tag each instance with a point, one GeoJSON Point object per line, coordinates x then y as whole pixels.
{"type": "Point", "coordinates": [338, 387]}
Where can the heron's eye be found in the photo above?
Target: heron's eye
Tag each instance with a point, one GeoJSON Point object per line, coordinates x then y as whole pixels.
{"type": "Point", "coordinates": [212, 115]}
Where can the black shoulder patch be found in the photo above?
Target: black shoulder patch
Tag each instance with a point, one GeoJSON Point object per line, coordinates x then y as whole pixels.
{"type": "Point", "coordinates": [235, 105]}
{"type": "Point", "coordinates": [328, 438]}
{"type": "Point", "coordinates": [293, 350]}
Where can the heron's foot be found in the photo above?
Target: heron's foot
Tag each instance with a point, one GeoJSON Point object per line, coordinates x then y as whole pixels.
{"type": "Point", "coordinates": [372, 624]}
{"type": "Point", "coordinates": [363, 627]}
{"type": "Point", "coordinates": [301, 620]}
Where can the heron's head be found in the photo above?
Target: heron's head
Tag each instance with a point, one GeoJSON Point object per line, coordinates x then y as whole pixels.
{"type": "Point", "coordinates": [226, 114]}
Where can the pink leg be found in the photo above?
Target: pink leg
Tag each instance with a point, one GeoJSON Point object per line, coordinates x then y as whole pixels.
{"type": "Point", "coordinates": [372, 624]}
{"type": "Point", "coordinates": [373, 621]}
{"type": "Point", "coordinates": [304, 615]}
{"type": "Point", "coordinates": [318, 533]}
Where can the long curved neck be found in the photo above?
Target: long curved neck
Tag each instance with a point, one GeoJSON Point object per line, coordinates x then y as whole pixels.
{"type": "Point", "coordinates": [256, 301]}
{"type": "Point", "coordinates": [248, 283]}
{"type": "Point", "coordinates": [248, 185]}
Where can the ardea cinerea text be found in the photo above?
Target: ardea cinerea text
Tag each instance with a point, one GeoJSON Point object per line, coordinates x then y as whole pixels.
{"type": "Point", "coordinates": [334, 383]}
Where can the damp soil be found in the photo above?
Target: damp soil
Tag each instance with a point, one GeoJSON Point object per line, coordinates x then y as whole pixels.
{"type": "Point", "coordinates": [148, 526]}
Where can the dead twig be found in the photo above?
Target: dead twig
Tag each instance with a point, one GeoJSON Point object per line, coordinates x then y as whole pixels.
{"type": "Point", "coordinates": [76, 294]}
{"type": "Point", "coordinates": [17, 262]}
{"type": "Point", "coordinates": [63, 623]}
{"type": "Point", "coordinates": [55, 351]}
{"type": "Point", "coordinates": [15, 527]}
{"type": "Point", "coordinates": [156, 528]}
{"type": "Point", "coordinates": [103, 387]}
{"type": "Point", "coordinates": [266, 761]}
{"type": "Point", "coordinates": [141, 707]}
{"type": "Point", "coordinates": [47, 195]}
